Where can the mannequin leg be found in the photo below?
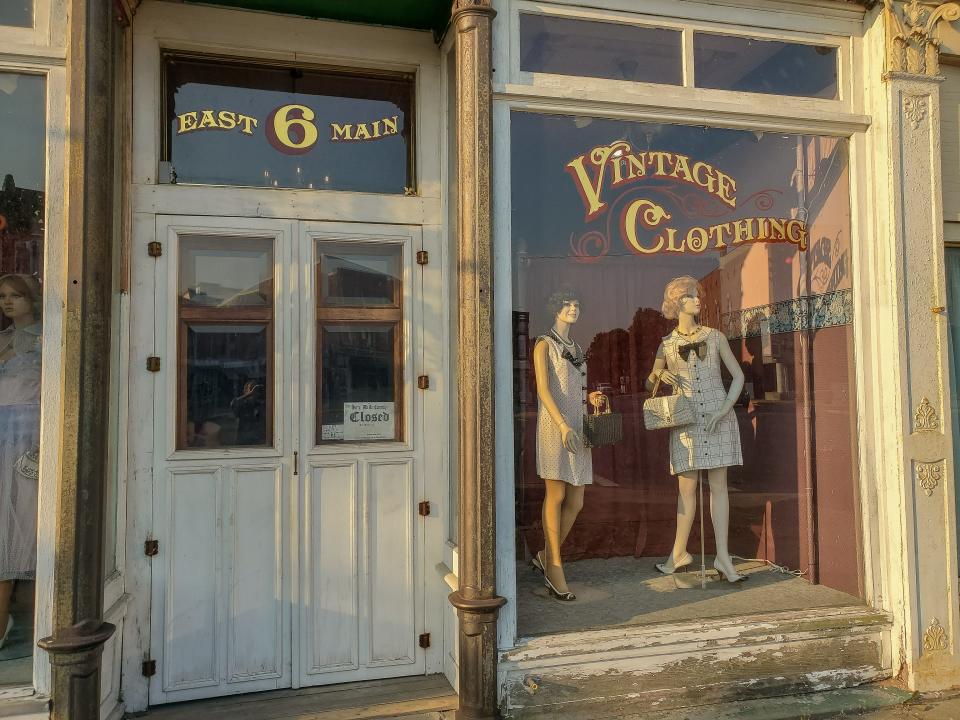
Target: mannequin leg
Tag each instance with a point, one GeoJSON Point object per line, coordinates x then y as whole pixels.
{"type": "Point", "coordinates": [553, 500]}
{"type": "Point", "coordinates": [720, 515]}
{"type": "Point", "coordinates": [686, 514]}
{"type": "Point", "coordinates": [572, 505]}
{"type": "Point", "coordinates": [6, 591]}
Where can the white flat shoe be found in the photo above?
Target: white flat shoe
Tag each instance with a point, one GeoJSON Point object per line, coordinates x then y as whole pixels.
{"type": "Point", "coordinates": [3, 640]}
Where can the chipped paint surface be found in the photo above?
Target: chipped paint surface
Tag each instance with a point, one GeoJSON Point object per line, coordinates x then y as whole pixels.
{"type": "Point", "coordinates": [662, 667]}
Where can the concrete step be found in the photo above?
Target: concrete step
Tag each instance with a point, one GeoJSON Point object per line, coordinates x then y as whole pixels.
{"type": "Point", "coordinates": [850, 703]}
{"type": "Point", "coordinates": [620, 672]}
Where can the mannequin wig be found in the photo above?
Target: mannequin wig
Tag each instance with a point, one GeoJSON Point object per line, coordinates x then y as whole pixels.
{"type": "Point", "coordinates": [29, 287]}
{"type": "Point", "coordinates": [675, 291]}
{"type": "Point", "coordinates": [559, 298]}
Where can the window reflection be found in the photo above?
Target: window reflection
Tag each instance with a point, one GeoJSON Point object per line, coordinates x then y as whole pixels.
{"type": "Point", "coordinates": [16, 13]}
{"type": "Point", "coordinates": [606, 214]}
{"type": "Point", "coordinates": [22, 168]}
{"type": "Point", "coordinates": [728, 62]}
{"type": "Point", "coordinates": [613, 51]}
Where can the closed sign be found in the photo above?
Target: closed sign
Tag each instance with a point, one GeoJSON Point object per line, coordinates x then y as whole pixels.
{"type": "Point", "coordinates": [368, 421]}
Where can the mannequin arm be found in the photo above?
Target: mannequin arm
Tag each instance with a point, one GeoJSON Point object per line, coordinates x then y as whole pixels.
{"type": "Point", "coordinates": [660, 368]}
{"type": "Point", "coordinates": [542, 373]}
{"type": "Point", "coordinates": [730, 362]}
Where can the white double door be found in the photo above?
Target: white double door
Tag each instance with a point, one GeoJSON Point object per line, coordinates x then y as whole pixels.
{"type": "Point", "coordinates": [290, 547]}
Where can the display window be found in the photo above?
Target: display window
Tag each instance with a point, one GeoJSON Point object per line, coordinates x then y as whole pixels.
{"type": "Point", "coordinates": [16, 13]}
{"type": "Point", "coordinates": [22, 232]}
{"type": "Point", "coordinates": [238, 123]}
{"type": "Point", "coordinates": [683, 372]}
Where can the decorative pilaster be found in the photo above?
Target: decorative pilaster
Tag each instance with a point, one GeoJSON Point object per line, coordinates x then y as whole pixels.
{"type": "Point", "coordinates": [918, 479]}
{"type": "Point", "coordinates": [476, 600]}
{"type": "Point", "coordinates": [79, 632]}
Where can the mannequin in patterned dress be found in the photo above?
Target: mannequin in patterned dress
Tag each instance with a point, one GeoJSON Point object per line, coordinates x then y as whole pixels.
{"type": "Point", "coordinates": [689, 359]}
{"type": "Point", "coordinates": [563, 462]}
{"type": "Point", "coordinates": [20, 299]}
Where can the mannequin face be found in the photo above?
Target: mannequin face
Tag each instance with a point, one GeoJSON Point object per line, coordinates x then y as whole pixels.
{"type": "Point", "coordinates": [690, 304]}
{"type": "Point", "coordinates": [570, 312]}
{"type": "Point", "coordinates": [14, 305]}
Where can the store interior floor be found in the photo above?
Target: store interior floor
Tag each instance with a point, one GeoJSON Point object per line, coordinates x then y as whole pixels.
{"type": "Point", "coordinates": [16, 656]}
{"type": "Point", "coordinates": [630, 591]}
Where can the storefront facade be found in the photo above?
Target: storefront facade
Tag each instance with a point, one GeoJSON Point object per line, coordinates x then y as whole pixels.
{"type": "Point", "coordinates": [367, 276]}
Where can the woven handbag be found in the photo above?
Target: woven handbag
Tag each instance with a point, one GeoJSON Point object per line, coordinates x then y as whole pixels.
{"type": "Point", "coordinates": [669, 411]}
{"type": "Point", "coordinates": [602, 428]}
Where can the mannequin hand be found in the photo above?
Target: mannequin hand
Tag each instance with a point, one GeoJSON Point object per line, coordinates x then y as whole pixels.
{"type": "Point", "coordinates": [571, 441]}
{"type": "Point", "coordinates": [669, 378]}
{"type": "Point", "coordinates": [715, 419]}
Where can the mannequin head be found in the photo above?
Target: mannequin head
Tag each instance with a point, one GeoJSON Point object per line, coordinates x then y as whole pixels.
{"type": "Point", "coordinates": [681, 297]}
{"type": "Point", "coordinates": [20, 299]}
{"type": "Point", "coordinates": [564, 307]}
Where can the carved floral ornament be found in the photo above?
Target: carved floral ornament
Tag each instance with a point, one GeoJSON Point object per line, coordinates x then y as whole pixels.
{"type": "Point", "coordinates": [935, 637]}
{"type": "Point", "coordinates": [929, 476]}
{"type": "Point", "coordinates": [912, 45]}
{"type": "Point", "coordinates": [915, 108]}
{"type": "Point", "coordinates": [925, 417]}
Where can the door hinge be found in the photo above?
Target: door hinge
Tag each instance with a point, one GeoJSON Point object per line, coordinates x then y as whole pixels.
{"type": "Point", "coordinates": [423, 257]}
{"type": "Point", "coordinates": [149, 668]}
{"type": "Point", "coordinates": [151, 548]}
{"type": "Point", "coordinates": [423, 382]}
{"type": "Point", "coordinates": [425, 640]}
{"type": "Point", "coordinates": [155, 248]}
{"type": "Point", "coordinates": [153, 364]}
{"type": "Point", "coordinates": [424, 508]}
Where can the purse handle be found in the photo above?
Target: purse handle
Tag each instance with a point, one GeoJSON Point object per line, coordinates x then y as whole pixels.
{"type": "Point", "coordinates": [656, 385]}
{"type": "Point", "coordinates": [606, 404]}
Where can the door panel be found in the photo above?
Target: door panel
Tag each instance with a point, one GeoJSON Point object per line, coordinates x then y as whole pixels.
{"type": "Point", "coordinates": [331, 593]}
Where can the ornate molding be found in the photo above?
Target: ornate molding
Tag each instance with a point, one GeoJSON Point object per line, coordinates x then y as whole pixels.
{"type": "Point", "coordinates": [915, 108]}
{"type": "Point", "coordinates": [912, 45]}
{"type": "Point", "coordinates": [929, 476]}
{"type": "Point", "coordinates": [935, 637]}
{"type": "Point", "coordinates": [925, 417]}
{"type": "Point", "coordinates": [461, 5]}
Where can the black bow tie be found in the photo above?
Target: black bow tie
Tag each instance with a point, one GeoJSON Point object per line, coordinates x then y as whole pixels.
{"type": "Point", "coordinates": [700, 348]}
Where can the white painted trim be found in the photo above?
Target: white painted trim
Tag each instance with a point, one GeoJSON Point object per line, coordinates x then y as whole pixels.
{"type": "Point", "coordinates": [44, 38]}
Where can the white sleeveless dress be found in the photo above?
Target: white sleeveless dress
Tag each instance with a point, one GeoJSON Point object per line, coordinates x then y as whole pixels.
{"type": "Point", "coordinates": [568, 387]}
{"type": "Point", "coordinates": [691, 446]}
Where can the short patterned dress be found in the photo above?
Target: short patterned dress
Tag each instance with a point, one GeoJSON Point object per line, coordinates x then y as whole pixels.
{"type": "Point", "coordinates": [696, 363]}
{"type": "Point", "coordinates": [567, 367]}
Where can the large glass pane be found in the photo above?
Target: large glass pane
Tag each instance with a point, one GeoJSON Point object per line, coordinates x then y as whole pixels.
{"type": "Point", "coordinates": [355, 275]}
{"type": "Point", "coordinates": [17, 13]}
{"type": "Point", "coordinates": [614, 51]}
{"type": "Point", "coordinates": [22, 170]}
{"type": "Point", "coordinates": [723, 257]}
{"type": "Point", "coordinates": [236, 123]}
{"type": "Point", "coordinates": [728, 62]}
{"type": "Point", "coordinates": [228, 397]}
{"type": "Point", "coordinates": [952, 267]}
{"type": "Point", "coordinates": [221, 272]}
{"type": "Point", "coordinates": [359, 385]}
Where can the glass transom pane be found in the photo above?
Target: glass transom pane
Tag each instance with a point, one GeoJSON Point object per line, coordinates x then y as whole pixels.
{"type": "Point", "coordinates": [613, 51]}
{"type": "Point", "coordinates": [16, 13]}
{"type": "Point", "coordinates": [727, 62]}
{"type": "Point", "coordinates": [226, 272]}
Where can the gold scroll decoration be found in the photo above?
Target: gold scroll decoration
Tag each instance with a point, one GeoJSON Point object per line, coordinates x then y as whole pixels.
{"type": "Point", "coordinates": [935, 637]}
{"type": "Point", "coordinates": [925, 418]}
{"type": "Point", "coordinates": [911, 28]}
{"type": "Point", "coordinates": [929, 476]}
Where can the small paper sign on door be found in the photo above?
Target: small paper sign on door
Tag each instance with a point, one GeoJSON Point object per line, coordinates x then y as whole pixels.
{"type": "Point", "coordinates": [368, 421]}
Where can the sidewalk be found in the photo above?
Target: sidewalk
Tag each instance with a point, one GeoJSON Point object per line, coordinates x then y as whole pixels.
{"type": "Point", "coordinates": [929, 707]}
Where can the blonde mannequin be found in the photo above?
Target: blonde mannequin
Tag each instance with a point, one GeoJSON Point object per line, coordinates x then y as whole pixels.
{"type": "Point", "coordinates": [689, 359]}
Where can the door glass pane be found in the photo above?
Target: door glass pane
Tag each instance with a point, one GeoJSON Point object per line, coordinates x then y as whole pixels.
{"type": "Point", "coordinates": [22, 232]}
{"type": "Point", "coordinates": [614, 51]}
{"type": "Point", "coordinates": [227, 373]}
{"type": "Point", "coordinates": [229, 122]}
{"type": "Point", "coordinates": [727, 62]}
{"type": "Point", "coordinates": [359, 382]}
{"type": "Point", "coordinates": [17, 13]}
{"type": "Point", "coordinates": [226, 272]}
{"type": "Point", "coordinates": [352, 275]}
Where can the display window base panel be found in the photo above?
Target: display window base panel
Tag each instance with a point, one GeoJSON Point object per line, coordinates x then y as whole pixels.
{"type": "Point", "coordinates": [634, 669]}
